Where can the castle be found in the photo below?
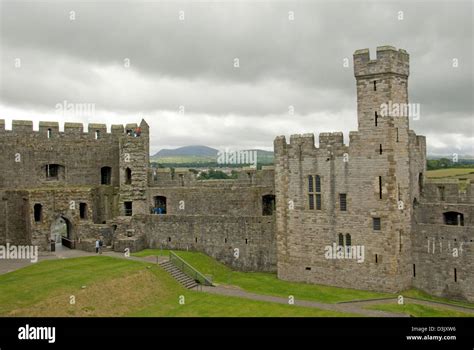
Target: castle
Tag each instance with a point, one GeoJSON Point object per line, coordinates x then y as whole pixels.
{"type": "Point", "coordinates": [371, 193]}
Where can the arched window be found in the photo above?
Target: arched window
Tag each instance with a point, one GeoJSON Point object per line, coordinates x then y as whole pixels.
{"type": "Point", "coordinates": [128, 176]}
{"type": "Point", "coordinates": [268, 204]}
{"type": "Point", "coordinates": [105, 175]}
{"type": "Point", "coordinates": [341, 240]}
{"type": "Point", "coordinates": [38, 211]}
{"type": "Point", "coordinates": [348, 240]}
{"type": "Point", "coordinates": [453, 218]}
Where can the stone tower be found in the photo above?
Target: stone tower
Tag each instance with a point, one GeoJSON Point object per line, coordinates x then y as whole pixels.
{"type": "Point", "coordinates": [134, 160]}
{"type": "Point", "coordinates": [356, 195]}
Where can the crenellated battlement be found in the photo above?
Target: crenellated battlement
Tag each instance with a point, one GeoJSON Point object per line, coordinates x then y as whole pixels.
{"type": "Point", "coordinates": [307, 142]}
{"type": "Point", "coordinates": [389, 60]}
{"type": "Point", "coordinates": [50, 129]}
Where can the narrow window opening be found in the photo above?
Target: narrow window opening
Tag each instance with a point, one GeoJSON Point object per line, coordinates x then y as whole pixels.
{"type": "Point", "coordinates": [268, 205]}
{"type": "Point", "coordinates": [348, 242]}
{"type": "Point", "coordinates": [376, 118]}
{"type": "Point", "coordinates": [380, 149]}
{"type": "Point", "coordinates": [225, 240]}
{"type": "Point", "coordinates": [455, 275]}
{"type": "Point", "coordinates": [376, 259]}
{"type": "Point", "coordinates": [128, 176]}
{"type": "Point", "coordinates": [318, 201]}
{"type": "Point", "coordinates": [50, 133]}
{"type": "Point", "coordinates": [420, 183]}
{"type": "Point", "coordinates": [318, 183]}
{"type": "Point", "coordinates": [310, 183]}
{"type": "Point", "coordinates": [105, 175]}
{"type": "Point", "coordinates": [343, 201]}
{"type": "Point", "coordinates": [128, 208]}
{"type": "Point", "coordinates": [380, 187]}
{"type": "Point", "coordinates": [169, 239]}
{"type": "Point", "coordinates": [83, 210]}
{"type": "Point", "coordinates": [97, 134]}
{"type": "Point", "coordinates": [196, 240]}
{"type": "Point", "coordinates": [376, 223]}
{"type": "Point", "coordinates": [397, 134]}
{"type": "Point", "coordinates": [246, 241]}
{"type": "Point", "coordinates": [38, 212]}
{"type": "Point", "coordinates": [414, 270]}
{"type": "Point", "coordinates": [341, 240]}
{"type": "Point", "coordinates": [375, 85]}
{"type": "Point", "coordinates": [400, 241]}
{"type": "Point", "coordinates": [308, 268]}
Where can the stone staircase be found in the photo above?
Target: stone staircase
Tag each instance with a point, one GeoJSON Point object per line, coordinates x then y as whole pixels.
{"type": "Point", "coordinates": [178, 275]}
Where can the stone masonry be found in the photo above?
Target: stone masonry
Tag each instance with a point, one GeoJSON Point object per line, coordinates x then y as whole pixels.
{"type": "Point", "coordinates": [370, 193]}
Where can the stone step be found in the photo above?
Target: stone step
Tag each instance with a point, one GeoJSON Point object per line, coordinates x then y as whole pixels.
{"type": "Point", "coordinates": [178, 275]}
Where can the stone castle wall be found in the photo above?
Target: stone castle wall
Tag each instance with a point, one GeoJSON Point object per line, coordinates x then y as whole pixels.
{"type": "Point", "coordinates": [280, 218]}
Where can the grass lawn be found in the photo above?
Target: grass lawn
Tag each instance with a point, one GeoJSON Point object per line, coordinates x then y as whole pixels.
{"type": "Point", "coordinates": [451, 172]}
{"type": "Point", "coordinates": [119, 287]}
{"type": "Point", "coordinates": [418, 294]}
{"type": "Point", "coordinates": [266, 283]}
{"type": "Point", "coordinates": [418, 310]}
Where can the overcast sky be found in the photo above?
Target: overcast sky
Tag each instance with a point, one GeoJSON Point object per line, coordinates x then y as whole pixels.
{"type": "Point", "coordinates": [140, 59]}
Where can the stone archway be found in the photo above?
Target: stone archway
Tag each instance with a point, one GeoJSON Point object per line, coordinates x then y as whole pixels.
{"type": "Point", "coordinates": [61, 233]}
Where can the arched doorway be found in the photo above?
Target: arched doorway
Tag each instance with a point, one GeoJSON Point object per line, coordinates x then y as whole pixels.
{"type": "Point", "coordinates": [61, 234]}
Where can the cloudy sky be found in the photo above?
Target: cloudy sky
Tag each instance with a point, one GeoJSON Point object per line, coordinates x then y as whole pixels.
{"type": "Point", "coordinates": [174, 63]}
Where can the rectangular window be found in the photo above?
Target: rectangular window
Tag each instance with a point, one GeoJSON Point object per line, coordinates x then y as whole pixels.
{"type": "Point", "coordinates": [318, 201]}
{"type": "Point", "coordinates": [128, 208]}
{"type": "Point", "coordinates": [380, 187]}
{"type": "Point", "coordinates": [83, 210]}
{"type": "Point", "coordinates": [377, 224]}
{"type": "Point", "coordinates": [343, 201]}
{"type": "Point", "coordinates": [376, 118]}
{"type": "Point", "coordinates": [311, 201]}
{"type": "Point", "coordinates": [455, 275]}
{"type": "Point", "coordinates": [318, 183]}
{"type": "Point", "coordinates": [376, 259]}
{"type": "Point", "coordinates": [414, 270]}
{"type": "Point", "coordinates": [310, 183]}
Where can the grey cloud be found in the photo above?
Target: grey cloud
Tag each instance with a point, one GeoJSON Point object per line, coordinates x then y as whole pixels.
{"type": "Point", "coordinates": [190, 62]}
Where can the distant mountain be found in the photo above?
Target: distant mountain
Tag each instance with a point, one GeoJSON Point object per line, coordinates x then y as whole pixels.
{"type": "Point", "coordinates": [204, 155]}
{"type": "Point", "coordinates": [194, 151]}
